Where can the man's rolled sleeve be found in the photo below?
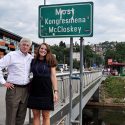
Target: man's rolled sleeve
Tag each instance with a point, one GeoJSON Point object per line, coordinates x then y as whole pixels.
{"type": "Point", "coordinates": [4, 62]}
{"type": "Point", "coordinates": [2, 81]}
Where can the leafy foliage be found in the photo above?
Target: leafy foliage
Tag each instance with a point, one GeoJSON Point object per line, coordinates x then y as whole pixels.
{"type": "Point", "coordinates": [63, 55]}
{"type": "Point", "coordinates": [115, 87]}
{"type": "Point", "coordinates": [114, 51]}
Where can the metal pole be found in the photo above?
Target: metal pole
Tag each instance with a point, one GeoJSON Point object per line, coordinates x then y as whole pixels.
{"type": "Point", "coordinates": [32, 50]}
{"type": "Point", "coordinates": [81, 79]}
{"type": "Point", "coordinates": [70, 85]}
{"type": "Point", "coordinates": [44, 4]}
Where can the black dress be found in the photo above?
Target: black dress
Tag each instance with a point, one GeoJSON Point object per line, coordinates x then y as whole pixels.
{"type": "Point", "coordinates": [41, 93]}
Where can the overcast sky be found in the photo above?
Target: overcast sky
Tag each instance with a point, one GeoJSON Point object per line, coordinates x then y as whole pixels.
{"type": "Point", "coordinates": [21, 17]}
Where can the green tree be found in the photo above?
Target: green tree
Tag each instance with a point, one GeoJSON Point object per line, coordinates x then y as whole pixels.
{"type": "Point", "coordinates": [62, 44]}
{"type": "Point", "coordinates": [110, 54]}
{"type": "Point", "coordinates": [76, 64]}
{"type": "Point", "coordinates": [76, 47]}
{"type": "Point", "coordinates": [88, 56]}
{"type": "Point", "coordinates": [120, 50]}
{"type": "Point", "coordinates": [62, 53]}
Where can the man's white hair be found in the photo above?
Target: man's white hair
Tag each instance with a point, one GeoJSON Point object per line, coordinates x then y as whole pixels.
{"type": "Point", "coordinates": [26, 40]}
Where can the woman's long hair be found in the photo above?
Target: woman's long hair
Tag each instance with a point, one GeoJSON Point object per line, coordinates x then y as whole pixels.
{"type": "Point", "coordinates": [50, 58]}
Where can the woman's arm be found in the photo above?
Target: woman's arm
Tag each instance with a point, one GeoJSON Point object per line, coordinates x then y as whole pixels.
{"type": "Point", "coordinates": [54, 83]}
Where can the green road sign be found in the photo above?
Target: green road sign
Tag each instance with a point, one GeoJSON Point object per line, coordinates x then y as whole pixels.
{"type": "Point", "coordinates": [66, 20]}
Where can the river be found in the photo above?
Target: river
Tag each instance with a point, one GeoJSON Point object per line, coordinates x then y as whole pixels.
{"type": "Point", "coordinates": [103, 116]}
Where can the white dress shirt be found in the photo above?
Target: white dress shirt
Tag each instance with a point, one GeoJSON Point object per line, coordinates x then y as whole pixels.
{"type": "Point", "coordinates": [18, 67]}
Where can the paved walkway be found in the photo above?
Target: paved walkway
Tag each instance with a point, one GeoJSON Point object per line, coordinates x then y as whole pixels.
{"type": "Point", "coordinates": [2, 107]}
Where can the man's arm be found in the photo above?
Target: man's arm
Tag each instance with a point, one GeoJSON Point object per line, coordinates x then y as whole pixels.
{"type": "Point", "coordinates": [4, 62]}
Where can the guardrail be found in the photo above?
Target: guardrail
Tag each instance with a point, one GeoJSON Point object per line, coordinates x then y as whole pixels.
{"type": "Point", "coordinates": [63, 83]}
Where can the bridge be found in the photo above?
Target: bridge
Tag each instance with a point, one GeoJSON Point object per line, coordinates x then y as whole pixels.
{"type": "Point", "coordinates": [67, 109]}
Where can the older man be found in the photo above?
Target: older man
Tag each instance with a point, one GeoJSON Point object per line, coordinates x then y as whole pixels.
{"type": "Point", "coordinates": [18, 66]}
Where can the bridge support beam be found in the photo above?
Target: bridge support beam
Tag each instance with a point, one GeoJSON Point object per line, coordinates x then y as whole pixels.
{"type": "Point", "coordinates": [95, 96]}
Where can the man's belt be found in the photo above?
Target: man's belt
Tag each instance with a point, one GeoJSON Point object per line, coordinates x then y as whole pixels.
{"type": "Point", "coordinates": [23, 86]}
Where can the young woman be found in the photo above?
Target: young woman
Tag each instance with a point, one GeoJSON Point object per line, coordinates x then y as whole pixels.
{"type": "Point", "coordinates": [44, 90]}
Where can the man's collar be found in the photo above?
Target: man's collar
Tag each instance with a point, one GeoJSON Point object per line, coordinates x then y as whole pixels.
{"type": "Point", "coordinates": [22, 53]}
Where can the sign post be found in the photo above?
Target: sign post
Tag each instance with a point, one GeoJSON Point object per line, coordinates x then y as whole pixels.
{"type": "Point", "coordinates": [66, 20]}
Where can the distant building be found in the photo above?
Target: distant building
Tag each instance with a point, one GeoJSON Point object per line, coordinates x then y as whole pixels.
{"type": "Point", "coordinates": [97, 48]}
{"type": "Point", "coordinates": [67, 45]}
{"type": "Point", "coordinates": [9, 42]}
{"type": "Point", "coordinates": [116, 67]}
{"type": "Point", "coordinates": [76, 55]}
